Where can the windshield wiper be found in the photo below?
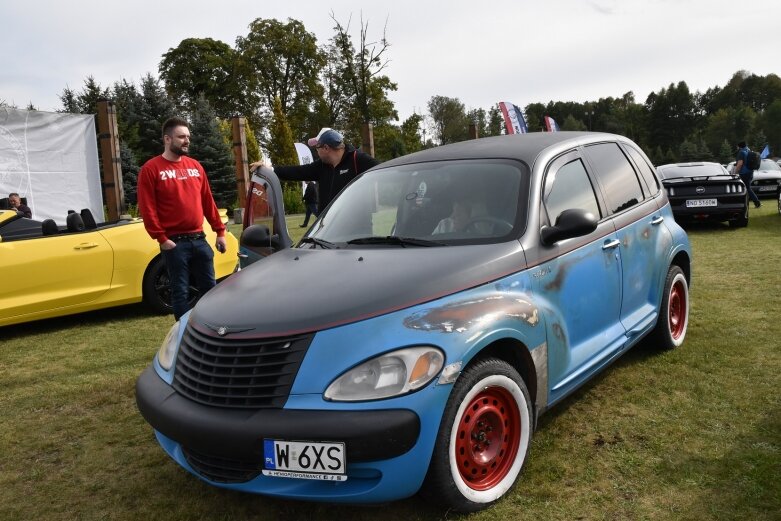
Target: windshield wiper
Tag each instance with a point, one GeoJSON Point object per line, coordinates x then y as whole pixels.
{"type": "Point", "coordinates": [319, 242]}
{"type": "Point", "coordinates": [395, 239]}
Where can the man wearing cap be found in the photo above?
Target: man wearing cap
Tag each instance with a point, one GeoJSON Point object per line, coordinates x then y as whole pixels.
{"type": "Point", "coordinates": [338, 164]}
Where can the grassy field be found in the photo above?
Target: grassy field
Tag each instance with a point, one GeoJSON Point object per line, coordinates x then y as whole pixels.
{"type": "Point", "coordinates": [690, 434]}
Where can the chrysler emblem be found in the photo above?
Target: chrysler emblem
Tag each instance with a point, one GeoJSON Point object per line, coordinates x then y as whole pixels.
{"type": "Point", "coordinates": [700, 189]}
{"type": "Point", "coordinates": [224, 330]}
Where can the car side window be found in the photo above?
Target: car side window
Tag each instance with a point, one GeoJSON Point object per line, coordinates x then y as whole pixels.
{"type": "Point", "coordinates": [616, 175]}
{"type": "Point", "coordinates": [645, 170]}
{"type": "Point", "coordinates": [569, 187]}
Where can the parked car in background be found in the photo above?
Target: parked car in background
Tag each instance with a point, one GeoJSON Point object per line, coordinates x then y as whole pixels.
{"type": "Point", "coordinates": [452, 296]}
{"type": "Point", "coordinates": [767, 179]}
{"type": "Point", "coordinates": [705, 191]}
{"type": "Point", "coordinates": [51, 271]}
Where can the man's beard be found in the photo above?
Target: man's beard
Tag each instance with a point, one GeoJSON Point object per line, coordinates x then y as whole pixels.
{"type": "Point", "coordinates": [179, 151]}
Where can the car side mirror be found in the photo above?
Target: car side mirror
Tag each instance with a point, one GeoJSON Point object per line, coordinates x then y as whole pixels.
{"type": "Point", "coordinates": [570, 223]}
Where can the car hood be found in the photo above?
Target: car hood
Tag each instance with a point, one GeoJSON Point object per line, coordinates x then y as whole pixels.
{"type": "Point", "coordinates": [304, 290]}
{"type": "Point", "coordinates": [766, 174]}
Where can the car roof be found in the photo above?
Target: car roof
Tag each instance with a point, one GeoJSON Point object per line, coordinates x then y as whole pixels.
{"type": "Point", "coordinates": [523, 147]}
{"type": "Point", "coordinates": [701, 169]}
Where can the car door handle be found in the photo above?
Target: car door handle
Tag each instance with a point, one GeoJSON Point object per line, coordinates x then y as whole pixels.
{"type": "Point", "coordinates": [85, 246]}
{"type": "Point", "coordinates": [657, 220]}
{"type": "Point", "coordinates": [610, 245]}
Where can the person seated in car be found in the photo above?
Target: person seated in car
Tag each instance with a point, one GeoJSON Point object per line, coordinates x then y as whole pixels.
{"type": "Point", "coordinates": [16, 204]}
{"type": "Point", "coordinates": [457, 221]}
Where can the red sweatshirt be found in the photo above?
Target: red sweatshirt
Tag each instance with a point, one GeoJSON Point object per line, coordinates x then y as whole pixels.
{"type": "Point", "coordinates": [174, 197]}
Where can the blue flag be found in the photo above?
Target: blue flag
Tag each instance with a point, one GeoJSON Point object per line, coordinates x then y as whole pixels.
{"type": "Point", "coordinates": [765, 153]}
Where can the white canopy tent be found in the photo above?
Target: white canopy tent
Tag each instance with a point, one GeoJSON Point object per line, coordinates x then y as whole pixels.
{"type": "Point", "coordinates": [52, 160]}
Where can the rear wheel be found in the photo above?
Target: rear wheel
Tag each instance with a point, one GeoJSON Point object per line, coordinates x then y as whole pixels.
{"type": "Point", "coordinates": [673, 321]}
{"type": "Point", "coordinates": [742, 221]}
{"type": "Point", "coordinates": [778, 196]}
{"type": "Point", "coordinates": [156, 288]}
{"type": "Point", "coordinates": [483, 439]}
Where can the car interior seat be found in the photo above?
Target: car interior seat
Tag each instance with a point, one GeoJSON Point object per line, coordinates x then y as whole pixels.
{"type": "Point", "coordinates": [49, 227]}
{"type": "Point", "coordinates": [74, 222]}
{"type": "Point", "coordinates": [89, 220]}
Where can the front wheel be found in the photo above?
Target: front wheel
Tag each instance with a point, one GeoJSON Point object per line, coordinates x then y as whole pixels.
{"type": "Point", "coordinates": [483, 439]}
{"type": "Point", "coordinates": [673, 320]}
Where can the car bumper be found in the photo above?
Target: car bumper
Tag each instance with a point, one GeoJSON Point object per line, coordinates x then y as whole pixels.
{"type": "Point", "coordinates": [723, 212]}
{"type": "Point", "coordinates": [388, 450]}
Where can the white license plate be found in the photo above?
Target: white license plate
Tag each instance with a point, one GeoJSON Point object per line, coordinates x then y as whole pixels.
{"type": "Point", "coordinates": [696, 203]}
{"type": "Point", "coordinates": [767, 188]}
{"type": "Point", "coordinates": [304, 460]}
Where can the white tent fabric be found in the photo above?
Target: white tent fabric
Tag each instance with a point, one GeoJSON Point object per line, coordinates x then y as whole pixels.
{"type": "Point", "coordinates": [52, 160]}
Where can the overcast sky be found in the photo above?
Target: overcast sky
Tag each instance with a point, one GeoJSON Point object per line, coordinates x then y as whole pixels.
{"type": "Point", "coordinates": [481, 52]}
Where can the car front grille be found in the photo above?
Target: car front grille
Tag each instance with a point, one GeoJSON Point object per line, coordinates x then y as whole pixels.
{"type": "Point", "coordinates": [222, 470]}
{"type": "Point", "coordinates": [245, 373]}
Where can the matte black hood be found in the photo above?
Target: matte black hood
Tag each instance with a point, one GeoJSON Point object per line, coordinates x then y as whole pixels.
{"type": "Point", "coordinates": [304, 290]}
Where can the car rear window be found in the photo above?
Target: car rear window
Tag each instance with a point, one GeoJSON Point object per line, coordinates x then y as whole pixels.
{"type": "Point", "coordinates": [616, 175]}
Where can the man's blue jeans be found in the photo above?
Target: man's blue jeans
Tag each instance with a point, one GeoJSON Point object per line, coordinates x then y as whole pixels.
{"type": "Point", "coordinates": [747, 178]}
{"type": "Point", "coordinates": [190, 260]}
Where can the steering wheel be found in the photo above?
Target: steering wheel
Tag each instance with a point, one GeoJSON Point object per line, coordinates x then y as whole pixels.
{"type": "Point", "coordinates": [499, 226]}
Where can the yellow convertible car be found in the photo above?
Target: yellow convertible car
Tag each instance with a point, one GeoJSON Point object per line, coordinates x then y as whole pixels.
{"type": "Point", "coordinates": [48, 270]}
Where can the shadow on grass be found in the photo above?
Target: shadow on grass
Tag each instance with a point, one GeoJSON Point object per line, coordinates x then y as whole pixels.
{"type": "Point", "coordinates": [638, 354]}
{"type": "Point", "coordinates": [88, 318]}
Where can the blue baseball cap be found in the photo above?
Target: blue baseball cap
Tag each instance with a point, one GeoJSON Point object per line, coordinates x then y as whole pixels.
{"type": "Point", "coordinates": [327, 136]}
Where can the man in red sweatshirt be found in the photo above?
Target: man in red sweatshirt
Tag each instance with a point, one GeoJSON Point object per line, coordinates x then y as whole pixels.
{"type": "Point", "coordinates": [173, 198]}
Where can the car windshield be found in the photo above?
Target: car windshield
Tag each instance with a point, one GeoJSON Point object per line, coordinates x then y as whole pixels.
{"type": "Point", "coordinates": [426, 205]}
{"type": "Point", "coordinates": [768, 164]}
{"type": "Point", "coordinates": [670, 172]}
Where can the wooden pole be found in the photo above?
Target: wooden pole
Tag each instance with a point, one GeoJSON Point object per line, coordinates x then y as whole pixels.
{"type": "Point", "coordinates": [367, 138]}
{"type": "Point", "coordinates": [473, 131]}
{"type": "Point", "coordinates": [111, 181]}
{"type": "Point", "coordinates": [240, 156]}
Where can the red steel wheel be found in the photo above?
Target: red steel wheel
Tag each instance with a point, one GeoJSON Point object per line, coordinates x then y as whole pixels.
{"type": "Point", "coordinates": [670, 330]}
{"type": "Point", "coordinates": [483, 438]}
{"type": "Point", "coordinates": [487, 440]}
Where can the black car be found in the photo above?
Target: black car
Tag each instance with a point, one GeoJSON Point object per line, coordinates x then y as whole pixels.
{"type": "Point", "coordinates": [705, 191]}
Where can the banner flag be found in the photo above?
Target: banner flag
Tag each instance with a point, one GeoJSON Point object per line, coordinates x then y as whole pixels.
{"type": "Point", "coordinates": [765, 153]}
{"type": "Point", "coordinates": [550, 124]}
{"type": "Point", "coordinates": [513, 118]}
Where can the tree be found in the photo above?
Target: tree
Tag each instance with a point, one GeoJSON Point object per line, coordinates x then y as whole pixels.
{"type": "Point", "coordinates": [85, 101]}
{"type": "Point", "coordinates": [356, 89]}
{"type": "Point", "coordinates": [203, 66]}
{"type": "Point", "coordinates": [671, 115]}
{"type": "Point", "coordinates": [283, 152]}
{"type": "Point", "coordinates": [572, 123]}
{"type": "Point", "coordinates": [209, 148]}
{"type": "Point", "coordinates": [280, 60]}
{"type": "Point", "coordinates": [449, 119]}
{"type": "Point", "coordinates": [726, 152]}
{"type": "Point", "coordinates": [130, 171]}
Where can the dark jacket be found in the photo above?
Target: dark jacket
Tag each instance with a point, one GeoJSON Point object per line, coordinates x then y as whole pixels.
{"type": "Point", "coordinates": [330, 180]}
{"type": "Point", "coordinates": [25, 211]}
{"type": "Point", "coordinates": [310, 195]}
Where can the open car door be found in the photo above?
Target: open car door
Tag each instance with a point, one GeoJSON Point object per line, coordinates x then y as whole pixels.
{"type": "Point", "coordinates": [265, 228]}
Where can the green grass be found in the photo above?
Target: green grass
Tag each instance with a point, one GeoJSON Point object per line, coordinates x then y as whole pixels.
{"type": "Point", "coordinates": [690, 434]}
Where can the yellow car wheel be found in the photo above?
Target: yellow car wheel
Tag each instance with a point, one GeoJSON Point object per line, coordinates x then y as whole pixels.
{"type": "Point", "coordinates": [157, 290]}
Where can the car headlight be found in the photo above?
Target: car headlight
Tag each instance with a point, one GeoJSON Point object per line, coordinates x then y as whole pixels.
{"type": "Point", "coordinates": [165, 356]}
{"type": "Point", "coordinates": [392, 374]}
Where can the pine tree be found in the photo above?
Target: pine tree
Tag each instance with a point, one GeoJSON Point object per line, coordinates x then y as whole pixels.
{"type": "Point", "coordinates": [210, 149]}
{"type": "Point", "coordinates": [283, 152]}
{"type": "Point", "coordinates": [130, 171]}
